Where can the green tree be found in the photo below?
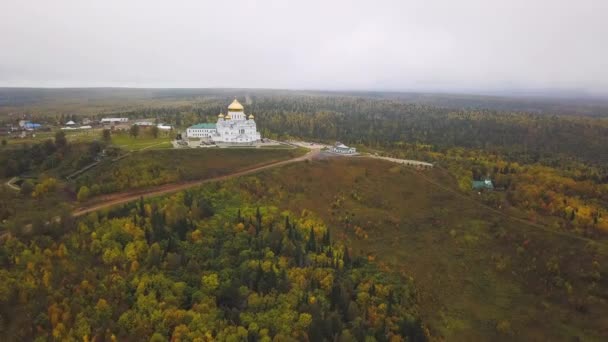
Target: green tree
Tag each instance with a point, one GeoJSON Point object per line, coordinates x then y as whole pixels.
{"type": "Point", "coordinates": [158, 337]}
{"type": "Point", "coordinates": [83, 194]}
{"type": "Point", "coordinates": [134, 131]}
{"type": "Point", "coordinates": [106, 135]}
{"type": "Point", "coordinates": [210, 282]}
{"type": "Point", "coordinates": [82, 328]}
{"type": "Point", "coordinates": [60, 139]}
{"type": "Point", "coordinates": [27, 187]}
{"type": "Point", "coordinates": [311, 246]}
{"type": "Point", "coordinates": [154, 255]}
{"type": "Point", "coordinates": [154, 130]}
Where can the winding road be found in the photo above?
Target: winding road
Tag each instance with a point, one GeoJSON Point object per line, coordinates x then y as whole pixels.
{"type": "Point", "coordinates": [110, 200]}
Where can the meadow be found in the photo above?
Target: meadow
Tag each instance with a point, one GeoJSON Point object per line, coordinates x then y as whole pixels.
{"type": "Point", "coordinates": [157, 167]}
{"type": "Point", "coordinates": [129, 143]}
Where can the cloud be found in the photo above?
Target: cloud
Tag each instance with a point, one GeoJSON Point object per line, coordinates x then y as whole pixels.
{"type": "Point", "coordinates": [478, 45]}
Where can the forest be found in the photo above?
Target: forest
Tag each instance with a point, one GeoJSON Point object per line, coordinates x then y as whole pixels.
{"type": "Point", "coordinates": [323, 250]}
{"type": "Point", "coordinates": [547, 164]}
{"type": "Point", "coordinates": [195, 266]}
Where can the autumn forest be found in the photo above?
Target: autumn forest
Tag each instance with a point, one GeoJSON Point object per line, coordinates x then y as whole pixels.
{"type": "Point", "coordinates": [322, 249]}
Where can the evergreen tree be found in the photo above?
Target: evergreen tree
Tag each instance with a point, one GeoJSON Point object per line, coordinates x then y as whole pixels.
{"type": "Point", "coordinates": [311, 246]}
{"type": "Point", "coordinates": [346, 257]}
{"type": "Point", "coordinates": [106, 135]}
{"type": "Point", "coordinates": [142, 208]}
{"type": "Point", "coordinates": [258, 220]}
{"type": "Point", "coordinates": [60, 140]}
{"type": "Point", "coordinates": [327, 238]}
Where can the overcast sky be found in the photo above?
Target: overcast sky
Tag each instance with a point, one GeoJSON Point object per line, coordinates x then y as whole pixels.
{"type": "Point", "coordinates": [448, 45]}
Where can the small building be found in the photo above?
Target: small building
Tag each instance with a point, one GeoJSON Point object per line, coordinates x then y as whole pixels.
{"type": "Point", "coordinates": [202, 130]}
{"type": "Point", "coordinates": [485, 184]}
{"type": "Point", "coordinates": [164, 127]}
{"type": "Point", "coordinates": [30, 126]}
{"type": "Point", "coordinates": [144, 123]}
{"type": "Point", "coordinates": [114, 120]}
{"type": "Point", "coordinates": [343, 149]}
{"type": "Point", "coordinates": [72, 128]}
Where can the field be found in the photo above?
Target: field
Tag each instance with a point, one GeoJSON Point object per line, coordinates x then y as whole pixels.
{"type": "Point", "coordinates": [152, 168]}
{"type": "Point", "coordinates": [41, 136]}
{"type": "Point", "coordinates": [129, 143]}
{"type": "Point", "coordinates": [119, 139]}
{"type": "Point", "coordinates": [480, 275]}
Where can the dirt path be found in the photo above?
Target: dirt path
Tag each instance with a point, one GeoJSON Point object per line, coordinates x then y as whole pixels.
{"type": "Point", "coordinates": [125, 197]}
{"type": "Point", "coordinates": [11, 184]}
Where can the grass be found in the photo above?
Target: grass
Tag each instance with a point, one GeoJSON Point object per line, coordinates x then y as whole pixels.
{"type": "Point", "coordinates": [72, 136]}
{"type": "Point", "coordinates": [480, 276]}
{"type": "Point", "coordinates": [120, 139]}
{"type": "Point", "coordinates": [157, 167]}
{"type": "Point", "coordinates": [130, 143]}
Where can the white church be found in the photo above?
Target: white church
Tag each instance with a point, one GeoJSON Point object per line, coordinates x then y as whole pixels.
{"type": "Point", "coordinates": [234, 127]}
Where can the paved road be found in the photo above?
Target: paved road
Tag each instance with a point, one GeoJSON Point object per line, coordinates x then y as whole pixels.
{"type": "Point", "coordinates": [121, 198]}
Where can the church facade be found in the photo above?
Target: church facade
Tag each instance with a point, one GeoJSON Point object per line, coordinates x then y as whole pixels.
{"type": "Point", "coordinates": [234, 127]}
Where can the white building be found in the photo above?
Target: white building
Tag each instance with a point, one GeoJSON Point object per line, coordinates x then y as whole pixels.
{"type": "Point", "coordinates": [204, 130]}
{"type": "Point", "coordinates": [144, 123]}
{"type": "Point", "coordinates": [234, 127]}
{"type": "Point", "coordinates": [71, 128]}
{"type": "Point", "coordinates": [114, 120]}
{"type": "Point", "coordinates": [343, 149]}
{"type": "Point", "coordinates": [164, 127]}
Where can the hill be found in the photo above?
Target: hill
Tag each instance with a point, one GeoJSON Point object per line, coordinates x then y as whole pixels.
{"type": "Point", "coordinates": [94, 100]}
{"type": "Point", "coordinates": [480, 275]}
{"type": "Point", "coordinates": [203, 264]}
{"type": "Point", "coordinates": [158, 167]}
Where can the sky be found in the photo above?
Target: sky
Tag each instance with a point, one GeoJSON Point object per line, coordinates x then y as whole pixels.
{"type": "Point", "coordinates": [407, 45]}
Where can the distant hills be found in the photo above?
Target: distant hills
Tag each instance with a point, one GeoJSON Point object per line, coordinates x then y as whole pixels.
{"type": "Point", "coordinates": [543, 101]}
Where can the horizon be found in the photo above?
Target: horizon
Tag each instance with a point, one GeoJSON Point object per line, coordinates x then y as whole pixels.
{"type": "Point", "coordinates": [478, 47]}
{"type": "Point", "coordinates": [539, 94]}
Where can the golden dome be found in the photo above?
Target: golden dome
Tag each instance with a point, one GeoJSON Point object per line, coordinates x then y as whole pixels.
{"type": "Point", "coordinates": [227, 116]}
{"type": "Point", "coordinates": [235, 106]}
{"type": "Point", "coordinates": [221, 115]}
{"type": "Point", "coordinates": [250, 116]}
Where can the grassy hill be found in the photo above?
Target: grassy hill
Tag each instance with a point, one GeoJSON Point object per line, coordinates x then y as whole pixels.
{"type": "Point", "coordinates": [158, 167]}
{"type": "Point", "coordinates": [136, 171]}
{"type": "Point", "coordinates": [480, 275]}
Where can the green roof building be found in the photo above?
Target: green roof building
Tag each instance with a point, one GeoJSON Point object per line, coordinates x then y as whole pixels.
{"type": "Point", "coordinates": [203, 126]}
{"type": "Point", "coordinates": [485, 184]}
